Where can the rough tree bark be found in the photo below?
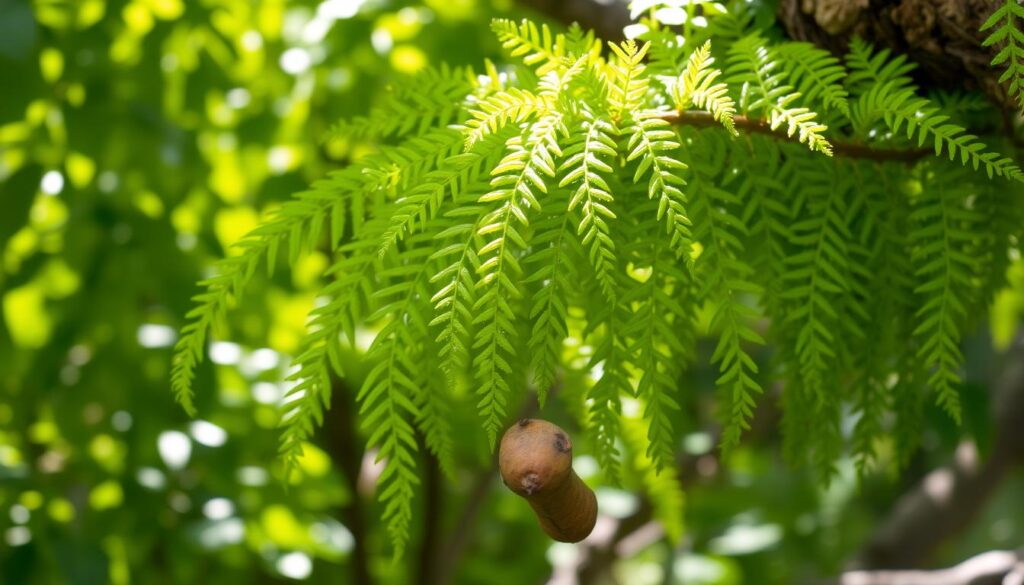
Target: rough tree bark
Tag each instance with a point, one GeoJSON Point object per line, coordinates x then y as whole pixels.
{"type": "Point", "coordinates": [939, 35]}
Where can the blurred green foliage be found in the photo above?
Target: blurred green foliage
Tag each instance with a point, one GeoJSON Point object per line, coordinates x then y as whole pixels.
{"type": "Point", "coordinates": [138, 140]}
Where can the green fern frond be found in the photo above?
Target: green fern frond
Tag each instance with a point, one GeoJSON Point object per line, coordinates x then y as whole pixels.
{"type": "Point", "coordinates": [889, 298]}
{"type": "Point", "coordinates": [536, 45]}
{"type": "Point", "coordinates": [551, 265]}
{"type": "Point", "coordinates": [611, 355]}
{"type": "Point", "coordinates": [902, 109]}
{"type": "Point", "coordinates": [434, 420]}
{"type": "Point", "coordinates": [762, 178]}
{"type": "Point", "coordinates": [817, 75]}
{"type": "Point", "coordinates": [348, 297]}
{"type": "Point", "coordinates": [501, 109]}
{"type": "Point", "coordinates": [802, 122]}
{"type": "Point", "coordinates": [652, 143]}
{"type": "Point", "coordinates": [298, 225]}
{"type": "Point", "coordinates": [1009, 31]}
{"type": "Point", "coordinates": [414, 105]}
{"type": "Point", "coordinates": [515, 179]}
{"type": "Point", "coordinates": [658, 331]}
{"type": "Point", "coordinates": [386, 407]}
{"type": "Point", "coordinates": [661, 485]}
{"type": "Point", "coordinates": [452, 174]}
{"type": "Point", "coordinates": [696, 85]}
{"type": "Point", "coordinates": [585, 163]}
{"type": "Point", "coordinates": [752, 65]}
{"type": "Point", "coordinates": [724, 279]}
{"type": "Point", "coordinates": [309, 393]}
{"type": "Point", "coordinates": [818, 272]}
{"type": "Point", "coordinates": [629, 84]}
{"type": "Point", "coordinates": [456, 297]}
{"type": "Point", "coordinates": [396, 391]}
{"type": "Point", "coordinates": [946, 230]}
{"type": "Point", "coordinates": [869, 68]}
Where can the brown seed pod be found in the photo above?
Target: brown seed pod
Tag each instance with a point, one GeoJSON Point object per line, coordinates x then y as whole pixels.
{"type": "Point", "coordinates": [535, 459]}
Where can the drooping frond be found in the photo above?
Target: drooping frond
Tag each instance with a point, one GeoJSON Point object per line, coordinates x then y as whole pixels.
{"type": "Point", "coordinates": [696, 85]}
{"type": "Point", "coordinates": [516, 180]}
{"type": "Point", "coordinates": [764, 90]}
{"type": "Point", "coordinates": [456, 287]}
{"type": "Point", "coordinates": [297, 225]}
{"type": "Point", "coordinates": [552, 266]}
{"type": "Point", "coordinates": [1009, 34]}
{"type": "Point", "coordinates": [387, 405]}
{"type": "Point", "coordinates": [943, 255]}
{"type": "Point", "coordinates": [434, 417]}
{"type": "Point", "coordinates": [652, 142]}
{"type": "Point", "coordinates": [536, 45]}
{"type": "Point", "coordinates": [501, 109]}
{"type": "Point", "coordinates": [818, 273]}
{"type": "Point", "coordinates": [816, 74]}
{"type": "Point", "coordinates": [662, 487]}
{"type": "Point", "coordinates": [881, 371]}
{"type": "Point", "coordinates": [659, 331]}
{"type": "Point", "coordinates": [726, 282]}
{"type": "Point", "coordinates": [432, 98]}
{"type": "Point", "coordinates": [585, 163]}
{"type": "Point", "coordinates": [903, 110]}
{"type": "Point", "coordinates": [612, 356]}
{"type": "Point", "coordinates": [761, 183]}
{"type": "Point", "coordinates": [348, 299]}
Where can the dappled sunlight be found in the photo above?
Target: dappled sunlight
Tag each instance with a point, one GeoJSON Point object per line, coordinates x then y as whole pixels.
{"type": "Point", "coordinates": [354, 266]}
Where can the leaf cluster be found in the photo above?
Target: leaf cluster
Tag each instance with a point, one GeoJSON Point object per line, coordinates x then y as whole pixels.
{"type": "Point", "coordinates": [567, 200]}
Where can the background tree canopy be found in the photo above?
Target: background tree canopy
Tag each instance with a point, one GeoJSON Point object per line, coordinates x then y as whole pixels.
{"type": "Point", "coordinates": [141, 141]}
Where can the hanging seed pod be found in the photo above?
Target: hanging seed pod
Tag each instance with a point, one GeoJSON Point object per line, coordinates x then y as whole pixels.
{"type": "Point", "coordinates": [535, 459]}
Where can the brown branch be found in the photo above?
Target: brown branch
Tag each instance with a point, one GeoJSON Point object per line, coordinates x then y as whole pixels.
{"type": "Point", "coordinates": [948, 499]}
{"type": "Point", "coordinates": [699, 119]}
{"type": "Point", "coordinates": [990, 568]}
{"type": "Point", "coordinates": [596, 557]}
{"type": "Point", "coordinates": [344, 447]}
{"type": "Point", "coordinates": [459, 540]}
{"type": "Point", "coordinates": [463, 530]}
{"type": "Point", "coordinates": [433, 487]}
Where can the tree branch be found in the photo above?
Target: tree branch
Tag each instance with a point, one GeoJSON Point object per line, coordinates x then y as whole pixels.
{"type": "Point", "coordinates": [428, 571]}
{"type": "Point", "coordinates": [700, 119]}
{"type": "Point", "coordinates": [459, 540]}
{"type": "Point", "coordinates": [949, 498]}
{"type": "Point", "coordinates": [990, 568]}
{"type": "Point", "coordinates": [344, 447]}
